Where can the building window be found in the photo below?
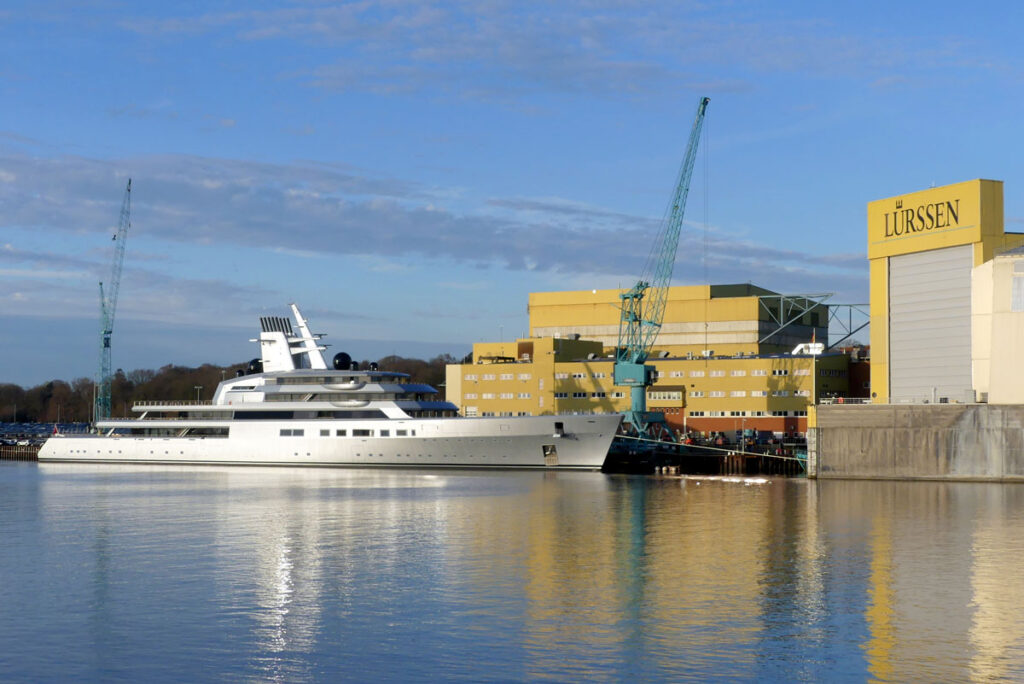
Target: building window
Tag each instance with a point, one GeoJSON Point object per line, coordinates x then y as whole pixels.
{"type": "Point", "coordinates": [579, 395]}
{"type": "Point", "coordinates": [697, 374]}
{"type": "Point", "coordinates": [524, 376]}
{"type": "Point", "coordinates": [697, 394]}
{"type": "Point", "coordinates": [471, 411]}
{"type": "Point", "coordinates": [597, 376]}
{"type": "Point", "coordinates": [561, 395]}
{"type": "Point", "coordinates": [677, 374]}
{"type": "Point", "coordinates": [488, 395]}
{"type": "Point", "coordinates": [1017, 293]}
{"type": "Point", "coordinates": [618, 395]}
{"type": "Point", "coordinates": [507, 395]}
{"type": "Point", "coordinates": [802, 371]}
{"type": "Point", "coordinates": [471, 376]}
{"type": "Point", "coordinates": [780, 414]}
{"type": "Point", "coordinates": [598, 395]}
{"type": "Point", "coordinates": [523, 395]}
{"type": "Point", "coordinates": [561, 376]}
{"type": "Point", "coordinates": [718, 373]}
{"type": "Point", "coordinates": [717, 394]}
{"type": "Point", "coordinates": [759, 372]}
{"type": "Point", "coordinates": [469, 395]}
{"type": "Point", "coordinates": [696, 414]}
{"type": "Point", "coordinates": [780, 371]}
{"type": "Point", "coordinates": [665, 396]}
{"type": "Point", "coordinates": [780, 393]}
{"type": "Point", "coordinates": [799, 413]}
{"type": "Point", "coordinates": [738, 393]}
{"type": "Point", "coordinates": [759, 393]}
{"type": "Point", "coordinates": [738, 373]}
{"type": "Point", "coordinates": [488, 376]}
{"type": "Point", "coordinates": [803, 393]}
{"type": "Point", "coordinates": [579, 376]}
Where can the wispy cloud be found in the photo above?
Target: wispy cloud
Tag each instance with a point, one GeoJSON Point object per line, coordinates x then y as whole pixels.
{"type": "Point", "coordinates": [34, 273]}
{"type": "Point", "coordinates": [503, 49]}
{"type": "Point", "coordinates": [228, 202]}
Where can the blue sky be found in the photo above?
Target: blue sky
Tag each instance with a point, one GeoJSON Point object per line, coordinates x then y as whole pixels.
{"type": "Point", "coordinates": [409, 171]}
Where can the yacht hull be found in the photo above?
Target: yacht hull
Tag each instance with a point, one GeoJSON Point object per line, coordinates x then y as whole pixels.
{"type": "Point", "coordinates": [546, 442]}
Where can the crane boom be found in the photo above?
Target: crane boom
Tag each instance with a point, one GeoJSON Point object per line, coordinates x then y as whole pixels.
{"type": "Point", "coordinates": [108, 307]}
{"type": "Point", "coordinates": [643, 305]}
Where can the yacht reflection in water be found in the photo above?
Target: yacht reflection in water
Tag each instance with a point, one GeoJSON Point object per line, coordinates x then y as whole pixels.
{"type": "Point", "coordinates": [566, 575]}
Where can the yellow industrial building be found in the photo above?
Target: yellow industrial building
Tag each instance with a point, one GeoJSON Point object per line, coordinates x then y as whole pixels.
{"type": "Point", "coordinates": [722, 357]}
{"type": "Point", "coordinates": [947, 304]}
{"type": "Point", "coordinates": [947, 324]}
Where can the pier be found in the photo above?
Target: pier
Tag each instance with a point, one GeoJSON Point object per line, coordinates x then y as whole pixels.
{"type": "Point", "coordinates": [631, 454]}
{"type": "Point", "coordinates": [19, 453]}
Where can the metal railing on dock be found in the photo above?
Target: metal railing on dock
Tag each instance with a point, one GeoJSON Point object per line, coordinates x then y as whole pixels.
{"type": "Point", "coordinates": [636, 454]}
{"type": "Point", "coordinates": [19, 453]}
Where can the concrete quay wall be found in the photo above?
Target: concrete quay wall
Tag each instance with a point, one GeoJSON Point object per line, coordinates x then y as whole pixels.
{"type": "Point", "coordinates": [981, 442]}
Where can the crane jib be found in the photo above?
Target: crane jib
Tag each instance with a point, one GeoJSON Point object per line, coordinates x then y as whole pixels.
{"type": "Point", "coordinates": [643, 306]}
{"type": "Point", "coordinates": [108, 307]}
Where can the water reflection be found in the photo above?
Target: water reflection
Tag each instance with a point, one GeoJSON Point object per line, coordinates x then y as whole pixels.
{"type": "Point", "coordinates": [294, 575]}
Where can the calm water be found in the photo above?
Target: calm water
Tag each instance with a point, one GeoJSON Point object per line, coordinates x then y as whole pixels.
{"type": "Point", "coordinates": [209, 574]}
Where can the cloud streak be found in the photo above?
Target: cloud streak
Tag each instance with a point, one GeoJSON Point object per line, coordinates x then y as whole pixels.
{"type": "Point", "coordinates": [503, 49]}
{"type": "Point", "coordinates": [317, 210]}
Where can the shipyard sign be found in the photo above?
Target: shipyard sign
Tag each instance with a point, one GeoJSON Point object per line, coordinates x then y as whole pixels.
{"type": "Point", "coordinates": [932, 216]}
{"type": "Point", "coordinates": [941, 217]}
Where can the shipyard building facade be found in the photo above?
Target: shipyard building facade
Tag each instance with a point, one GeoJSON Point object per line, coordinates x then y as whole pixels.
{"type": "Point", "coordinates": [947, 297]}
{"type": "Point", "coordinates": [723, 360]}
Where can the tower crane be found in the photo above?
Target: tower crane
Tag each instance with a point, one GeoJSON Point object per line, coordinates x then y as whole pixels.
{"type": "Point", "coordinates": [108, 306]}
{"type": "Point", "coordinates": [643, 305]}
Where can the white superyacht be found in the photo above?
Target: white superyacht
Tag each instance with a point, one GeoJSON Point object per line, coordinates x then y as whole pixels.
{"type": "Point", "coordinates": [291, 409]}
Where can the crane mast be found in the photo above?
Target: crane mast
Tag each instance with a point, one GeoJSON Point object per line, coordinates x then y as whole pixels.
{"type": "Point", "coordinates": [108, 307]}
{"type": "Point", "coordinates": [643, 305]}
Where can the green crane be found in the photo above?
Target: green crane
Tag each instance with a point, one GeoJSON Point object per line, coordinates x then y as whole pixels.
{"type": "Point", "coordinates": [108, 306]}
{"type": "Point", "coordinates": [643, 306]}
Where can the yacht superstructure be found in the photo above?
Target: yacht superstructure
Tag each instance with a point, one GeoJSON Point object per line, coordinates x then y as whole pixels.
{"type": "Point", "coordinates": [291, 409]}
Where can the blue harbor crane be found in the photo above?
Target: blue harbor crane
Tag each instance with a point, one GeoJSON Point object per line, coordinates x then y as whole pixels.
{"type": "Point", "coordinates": [643, 306]}
{"type": "Point", "coordinates": [108, 306]}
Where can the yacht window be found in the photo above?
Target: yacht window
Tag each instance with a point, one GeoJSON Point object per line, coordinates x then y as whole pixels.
{"type": "Point", "coordinates": [340, 433]}
{"type": "Point", "coordinates": [297, 433]}
{"type": "Point", "coordinates": [325, 433]}
{"type": "Point", "coordinates": [401, 433]}
{"type": "Point", "coordinates": [264, 415]}
{"type": "Point", "coordinates": [385, 433]}
{"type": "Point", "coordinates": [362, 433]}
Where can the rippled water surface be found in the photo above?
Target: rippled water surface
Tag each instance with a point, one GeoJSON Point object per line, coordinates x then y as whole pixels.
{"type": "Point", "coordinates": [249, 574]}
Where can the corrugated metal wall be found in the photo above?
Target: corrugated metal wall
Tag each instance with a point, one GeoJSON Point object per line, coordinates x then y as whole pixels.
{"type": "Point", "coordinates": [930, 324]}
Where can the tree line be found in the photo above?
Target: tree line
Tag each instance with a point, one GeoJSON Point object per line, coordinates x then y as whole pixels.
{"type": "Point", "coordinates": [72, 402]}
